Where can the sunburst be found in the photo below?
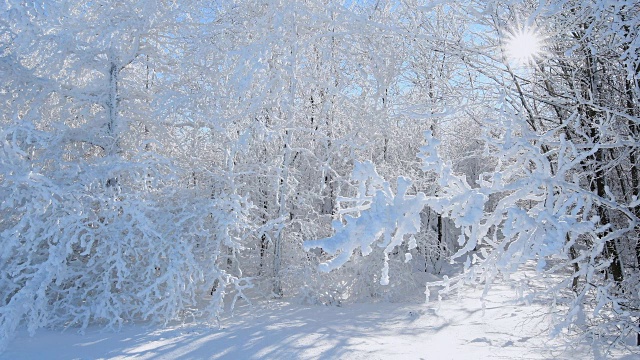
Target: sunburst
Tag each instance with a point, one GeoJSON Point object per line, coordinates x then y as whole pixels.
{"type": "Point", "coordinates": [523, 46]}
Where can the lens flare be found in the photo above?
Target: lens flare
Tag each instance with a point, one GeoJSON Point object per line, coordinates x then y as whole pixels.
{"type": "Point", "coordinates": [524, 46]}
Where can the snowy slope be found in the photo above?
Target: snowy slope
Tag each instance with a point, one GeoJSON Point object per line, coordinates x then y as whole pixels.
{"type": "Point", "coordinates": [453, 329]}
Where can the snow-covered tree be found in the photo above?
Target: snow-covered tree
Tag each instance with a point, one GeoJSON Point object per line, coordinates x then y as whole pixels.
{"type": "Point", "coordinates": [558, 133]}
{"type": "Point", "coordinates": [157, 156]}
{"type": "Point", "coordinates": [96, 225]}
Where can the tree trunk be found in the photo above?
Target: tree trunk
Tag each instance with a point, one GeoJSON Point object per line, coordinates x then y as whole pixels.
{"type": "Point", "coordinates": [598, 184]}
{"type": "Point", "coordinates": [282, 200]}
{"type": "Point", "coordinates": [112, 107]}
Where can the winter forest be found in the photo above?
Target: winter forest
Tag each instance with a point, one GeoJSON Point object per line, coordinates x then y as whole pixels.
{"type": "Point", "coordinates": [169, 160]}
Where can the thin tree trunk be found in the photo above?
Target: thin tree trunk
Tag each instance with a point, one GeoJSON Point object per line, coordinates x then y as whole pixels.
{"type": "Point", "coordinates": [112, 121]}
{"type": "Point", "coordinates": [282, 200]}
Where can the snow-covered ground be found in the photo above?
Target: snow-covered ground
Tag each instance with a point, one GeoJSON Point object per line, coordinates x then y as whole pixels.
{"type": "Point", "coordinates": [456, 328]}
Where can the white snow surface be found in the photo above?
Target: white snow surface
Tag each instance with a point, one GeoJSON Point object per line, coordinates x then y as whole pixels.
{"type": "Point", "coordinates": [455, 328]}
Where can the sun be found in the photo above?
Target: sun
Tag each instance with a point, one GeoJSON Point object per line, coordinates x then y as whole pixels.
{"type": "Point", "coordinates": [523, 46]}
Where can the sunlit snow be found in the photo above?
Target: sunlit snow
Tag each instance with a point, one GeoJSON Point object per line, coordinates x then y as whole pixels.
{"type": "Point", "coordinates": [458, 328]}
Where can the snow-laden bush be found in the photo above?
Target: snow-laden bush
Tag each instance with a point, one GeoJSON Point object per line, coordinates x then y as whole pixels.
{"type": "Point", "coordinates": [107, 240]}
{"type": "Point", "coordinates": [356, 281]}
{"type": "Point", "coordinates": [376, 216]}
{"type": "Point", "coordinates": [541, 216]}
{"type": "Point", "coordinates": [544, 214]}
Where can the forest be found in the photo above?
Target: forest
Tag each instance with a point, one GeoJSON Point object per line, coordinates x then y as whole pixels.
{"type": "Point", "coordinates": [166, 160]}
